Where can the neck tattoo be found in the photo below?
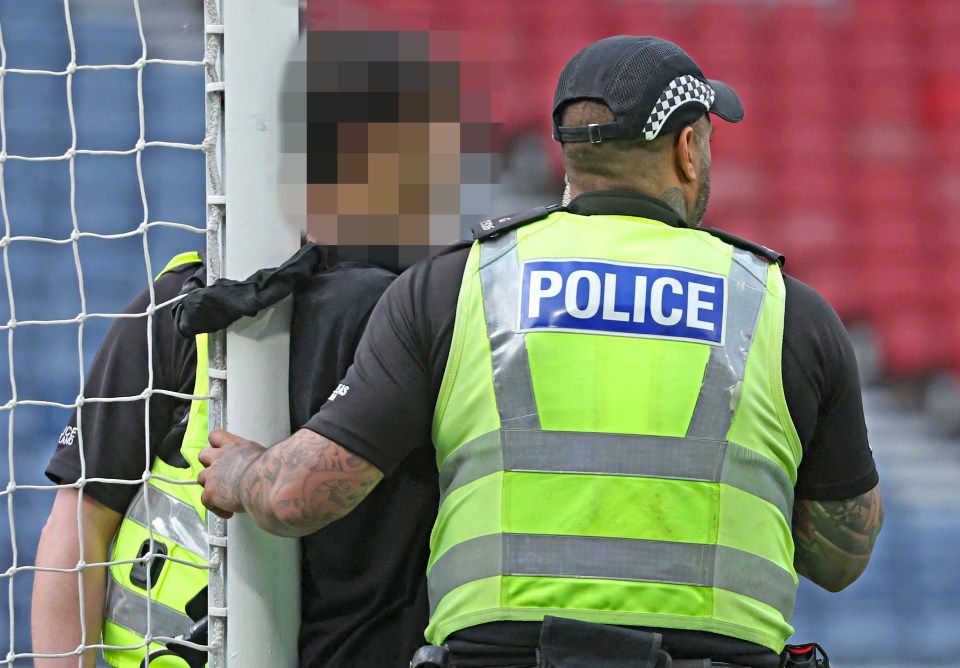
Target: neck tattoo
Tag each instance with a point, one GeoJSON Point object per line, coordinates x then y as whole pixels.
{"type": "Point", "coordinates": [675, 200]}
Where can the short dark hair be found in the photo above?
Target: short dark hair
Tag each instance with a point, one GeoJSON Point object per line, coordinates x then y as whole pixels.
{"type": "Point", "coordinates": [363, 77]}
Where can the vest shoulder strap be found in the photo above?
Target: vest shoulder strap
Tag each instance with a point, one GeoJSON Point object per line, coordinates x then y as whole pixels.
{"type": "Point", "coordinates": [191, 257]}
{"type": "Point", "coordinates": [759, 250]}
{"type": "Point", "coordinates": [491, 227]}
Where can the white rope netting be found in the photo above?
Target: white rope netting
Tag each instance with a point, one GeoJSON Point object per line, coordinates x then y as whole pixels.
{"type": "Point", "coordinates": [17, 235]}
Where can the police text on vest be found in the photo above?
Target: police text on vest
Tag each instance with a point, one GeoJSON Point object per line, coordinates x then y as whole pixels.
{"type": "Point", "coordinates": [625, 299]}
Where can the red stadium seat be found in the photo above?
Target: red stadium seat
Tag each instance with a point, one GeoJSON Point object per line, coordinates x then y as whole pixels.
{"type": "Point", "coordinates": [642, 18]}
{"type": "Point", "coordinates": [837, 282]}
{"type": "Point", "coordinates": [911, 342]}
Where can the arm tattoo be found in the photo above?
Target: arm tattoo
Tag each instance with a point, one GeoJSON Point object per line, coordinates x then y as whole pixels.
{"type": "Point", "coordinates": [675, 199]}
{"type": "Point", "coordinates": [834, 539]}
{"type": "Point", "coordinates": [304, 483]}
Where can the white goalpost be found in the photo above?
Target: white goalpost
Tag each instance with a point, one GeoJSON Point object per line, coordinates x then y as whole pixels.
{"type": "Point", "coordinates": [258, 626]}
{"type": "Point", "coordinates": [56, 206]}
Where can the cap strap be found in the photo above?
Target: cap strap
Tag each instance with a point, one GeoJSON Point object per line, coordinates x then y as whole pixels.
{"type": "Point", "coordinates": [593, 133]}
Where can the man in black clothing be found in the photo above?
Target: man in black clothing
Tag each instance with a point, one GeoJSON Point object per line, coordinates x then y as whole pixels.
{"type": "Point", "coordinates": [630, 114]}
{"type": "Point", "coordinates": [363, 603]}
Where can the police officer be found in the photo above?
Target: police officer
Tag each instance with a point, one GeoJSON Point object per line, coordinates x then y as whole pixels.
{"type": "Point", "coordinates": [114, 444]}
{"type": "Point", "coordinates": [644, 429]}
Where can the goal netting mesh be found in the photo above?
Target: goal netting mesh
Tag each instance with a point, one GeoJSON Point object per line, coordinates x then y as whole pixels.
{"type": "Point", "coordinates": [103, 177]}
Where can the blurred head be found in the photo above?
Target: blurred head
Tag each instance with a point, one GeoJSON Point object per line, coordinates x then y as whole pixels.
{"type": "Point", "coordinates": [631, 113]}
{"type": "Point", "coordinates": [373, 121]}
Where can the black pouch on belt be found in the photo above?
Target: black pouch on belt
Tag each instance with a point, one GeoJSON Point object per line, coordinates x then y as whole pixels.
{"type": "Point", "coordinates": [569, 643]}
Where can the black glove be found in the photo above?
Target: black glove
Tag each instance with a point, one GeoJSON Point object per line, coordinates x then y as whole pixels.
{"type": "Point", "coordinates": [214, 307]}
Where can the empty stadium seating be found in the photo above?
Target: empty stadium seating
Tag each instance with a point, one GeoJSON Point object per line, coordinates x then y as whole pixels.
{"type": "Point", "coordinates": [849, 138]}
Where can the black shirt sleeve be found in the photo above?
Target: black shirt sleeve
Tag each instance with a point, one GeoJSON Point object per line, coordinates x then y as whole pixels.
{"type": "Point", "coordinates": [822, 387]}
{"type": "Point", "coordinates": [398, 366]}
{"type": "Point", "coordinates": [114, 435]}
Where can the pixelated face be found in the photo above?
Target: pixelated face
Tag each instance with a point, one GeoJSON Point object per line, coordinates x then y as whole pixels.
{"type": "Point", "coordinates": [384, 142]}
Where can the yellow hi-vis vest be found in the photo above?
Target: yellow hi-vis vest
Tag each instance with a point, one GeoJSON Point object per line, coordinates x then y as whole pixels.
{"type": "Point", "coordinates": [613, 440]}
{"type": "Point", "coordinates": [165, 518]}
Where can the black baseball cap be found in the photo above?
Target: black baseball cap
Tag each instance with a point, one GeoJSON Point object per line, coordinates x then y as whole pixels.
{"type": "Point", "coordinates": [651, 85]}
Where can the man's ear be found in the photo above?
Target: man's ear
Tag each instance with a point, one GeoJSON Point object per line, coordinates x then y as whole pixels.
{"type": "Point", "coordinates": [687, 162]}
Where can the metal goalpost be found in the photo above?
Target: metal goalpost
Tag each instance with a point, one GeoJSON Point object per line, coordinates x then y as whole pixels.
{"type": "Point", "coordinates": [255, 577]}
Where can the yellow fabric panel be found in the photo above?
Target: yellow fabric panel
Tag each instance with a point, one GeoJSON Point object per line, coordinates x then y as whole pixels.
{"type": "Point", "coordinates": [586, 505]}
{"type": "Point", "coordinates": [731, 606]}
{"type": "Point", "coordinates": [483, 493]}
{"type": "Point", "coordinates": [605, 602]}
{"type": "Point", "coordinates": [482, 594]}
{"type": "Point", "coordinates": [475, 399]}
{"type": "Point", "coordinates": [601, 366]}
{"type": "Point", "coordinates": [190, 257]}
{"type": "Point", "coordinates": [664, 245]}
{"type": "Point", "coordinates": [746, 522]}
{"type": "Point", "coordinates": [133, 658]}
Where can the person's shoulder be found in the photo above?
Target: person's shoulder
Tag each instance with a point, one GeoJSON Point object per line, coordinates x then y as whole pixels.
{"type": "Point", "coordinates": [812, 329]}
{"type": "Point", "coordinates": [439, 265]}
{"type": "Point", "coordinates": [428, 290]}
{"type": "Point", "coordinates": [806, 304]}
{"type": "Point", "coordinates": [351, 275]}
{"type": "Point", "coordinates": [497, 225]}
{"type": "Point", "coordinates": [182, 268]}
{"type": "Point", "coordinates": [168, 283]}
{"type": "Point", "coordinates": [757, 249]}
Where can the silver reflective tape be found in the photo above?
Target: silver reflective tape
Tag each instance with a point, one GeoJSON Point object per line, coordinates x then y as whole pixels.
{"type": "Point", "coordinates": [172, 519]}
{"type": "Point", "coordinates": [723, 377]}
{"type": "Point", "coordinates": [500, 285]}
{"type": "Point", "coordinates": [614, 454]}
{"type": "Point", "coordinates": [756, 577]}
{"type": "Point", "coordinates": [751, 472]}
{"type": "Point", "coordinates": [128, 609]}
{"type": "Point", "coordinates": [697, 460]}
{"type": "Point", "coordinates": [612, 559]}
{"type": "Point", "coordinates": [469, 561]}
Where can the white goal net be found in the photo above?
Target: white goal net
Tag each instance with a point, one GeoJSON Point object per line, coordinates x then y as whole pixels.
{"type": "Point", "coordinates": [102, 181]}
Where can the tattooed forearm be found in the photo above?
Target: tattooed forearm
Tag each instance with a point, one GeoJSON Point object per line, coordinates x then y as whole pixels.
{"type": "Point", "coordinates": [305, 483]}
{"type": "Point", "coordinates": [834, 539]}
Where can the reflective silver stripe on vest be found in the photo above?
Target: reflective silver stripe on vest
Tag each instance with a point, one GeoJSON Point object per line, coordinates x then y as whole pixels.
{"type": "Point", "coordinates": [613, 559]}
{"type": "Point", "coordinates": [723, 378]}
{"type": "Point", "coordinates": [619, 454]}
{"type": "Point", "coordinates": [500, 286]}
{"type": "Point", "coordinates": [176, 521]}
{"type": "Point", "coordinates": [128, 609]}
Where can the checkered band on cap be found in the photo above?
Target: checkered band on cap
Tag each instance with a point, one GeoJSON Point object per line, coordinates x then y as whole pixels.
{"type": "Point", "coordinates": [681, 90]}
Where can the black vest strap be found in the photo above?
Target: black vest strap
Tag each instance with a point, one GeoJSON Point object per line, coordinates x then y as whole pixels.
{"type": "Point", "coordinates": [759, 250]}
{"type": "Point", "coordinates": [491, 227]}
